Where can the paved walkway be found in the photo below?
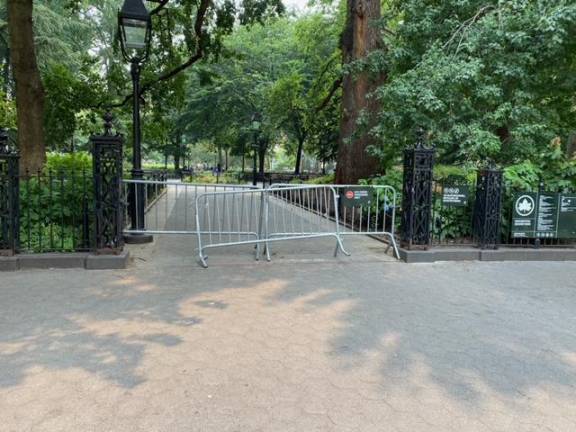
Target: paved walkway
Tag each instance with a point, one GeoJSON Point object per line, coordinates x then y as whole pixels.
{"type": "Point", "coordinates": [305, 343]}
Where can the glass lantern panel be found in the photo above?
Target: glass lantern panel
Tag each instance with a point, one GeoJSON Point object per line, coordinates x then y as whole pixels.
{"type": "Point", "coordinates": [135, 33]}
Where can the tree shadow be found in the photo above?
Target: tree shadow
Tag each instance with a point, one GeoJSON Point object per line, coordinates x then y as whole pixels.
{"type": "Point", "coordinates": [501, 327]}
{"type": "Point", "coordinates": [506, 327]}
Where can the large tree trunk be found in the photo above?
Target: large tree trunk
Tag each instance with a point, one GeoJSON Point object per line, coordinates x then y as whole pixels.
{"type": "Point", "coordinates": [29, 88]}
{"type": "Point", "coordinates": [299, 152]}
{"type": "Point", "coordinates": [176, 161]}
{"type": "Point", "coordinates": [360, 37]}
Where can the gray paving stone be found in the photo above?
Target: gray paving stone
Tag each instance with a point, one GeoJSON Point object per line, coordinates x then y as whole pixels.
{"type": "Point", "coordinates": [347, 344]}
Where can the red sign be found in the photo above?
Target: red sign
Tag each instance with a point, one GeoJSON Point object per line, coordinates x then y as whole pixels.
{"type": "Point", "coordinates": [350, 194]}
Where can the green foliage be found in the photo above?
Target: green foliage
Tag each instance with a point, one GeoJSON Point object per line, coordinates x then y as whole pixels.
{"type": "Point", "coordinates": [282, 71]}
{"type": "Point", "coordinates": [67, 94]}
{"type": "Point", "coordinates": [69, 162]}
{"type": "Point", "coordinates": [327, 179]}
{"type": "Point", "coordinates": [7, 112]}
{"type": "Point", "coordinates": [207, 177]}
{"type": "Point", "coordinates": [392, 178]}
{"type": "Point", "coordinates": [485, 78]}
{"type": "Point", "coordinates": [554, 170]}
{"type": "Point", "coordinates": [53, 203]}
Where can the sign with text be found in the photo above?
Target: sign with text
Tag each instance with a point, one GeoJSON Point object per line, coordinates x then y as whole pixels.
{"type": "Point", "coordinates": [356, 196]}
{"type": "Point", "coordinates": [455, 196]}
{"type": "Point", "coordinates": [544, 215]}
{"type": "Point", "coordinates": [567, 216]}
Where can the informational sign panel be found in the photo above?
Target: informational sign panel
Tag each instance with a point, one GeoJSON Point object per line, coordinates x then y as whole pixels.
{"type": "Point", "coordinates": [356, 196]}
{"type": "Point", "coordinates": [544, 215]}
{"type": "Point", "coordinates": [547, 216]}
{"type": "Point", "coordinates": [455, 196]}
{"type": "Point", "coordinates": [567, 216]}
{"type": "Point", "coordinates": [524, 215]}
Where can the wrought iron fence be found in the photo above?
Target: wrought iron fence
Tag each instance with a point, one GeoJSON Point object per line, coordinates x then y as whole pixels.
{"type": "Point", "coordinates": [62, 210]}
{"type": "Point", "coordinates": [56, 212]}
{"type": "Point", "coordinates": [452, 211]}
{"type": "Point", "coordinates": [9, 198]}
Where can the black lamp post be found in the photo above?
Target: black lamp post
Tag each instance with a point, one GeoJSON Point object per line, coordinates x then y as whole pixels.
{"type": "Point", "coordinates": [255, 146]}
{"type": "Point", "coordinates": [135, 30]}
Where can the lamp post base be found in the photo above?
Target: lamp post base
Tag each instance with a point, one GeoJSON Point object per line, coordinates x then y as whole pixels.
{"type": "Point", "coordinates": [138, 238]}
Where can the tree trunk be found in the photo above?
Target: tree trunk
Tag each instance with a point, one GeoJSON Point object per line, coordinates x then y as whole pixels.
{"type": "Point", "coordinates": [262, 160]}
{"type": "Point", "coordinates": [219, 163]}
{"type": "Point", "coordinates": [360, 37]}
{"type": "Point", "coordinates": [299, 156]}
{"type": "Point", "coordinates": [29, 88]}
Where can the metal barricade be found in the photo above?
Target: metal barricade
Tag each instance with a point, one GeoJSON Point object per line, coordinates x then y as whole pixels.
{"type": "Point", "coordinates": [229, 215]}
{"type": "Point", "coordinates": [169, 205]}
{"type": "Point", "coordinates": [264, 216]}
{"type": "Point", "coordinates": [367, 210]}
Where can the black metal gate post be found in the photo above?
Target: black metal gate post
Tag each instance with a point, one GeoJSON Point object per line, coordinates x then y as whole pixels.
{"type": "Point", "coordinates": [9, 197]}
{"type": "Point", "coordinates": [488, 208]}
{"type": "Point", "coordinates": [417, 194]}
{"type": "Point", "coordinates": [107, 171]}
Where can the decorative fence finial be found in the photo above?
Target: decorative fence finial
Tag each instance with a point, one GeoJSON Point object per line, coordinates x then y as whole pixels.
{"type": "Point", "coordinates": [420, 138]}
{"type": "Point", "coordinates": [4, 148]}
{"type": "Point", "coordinates": [108, 123]}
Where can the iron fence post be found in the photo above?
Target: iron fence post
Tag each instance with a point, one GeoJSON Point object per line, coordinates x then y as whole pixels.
{"type": "Point", "coordinates": [107, 171]}
{"type": "Point", "coordinates": [488, 208]}
{"type": "Point", "coordinates": [9, 197]}
{"type": "Point", "coordinates": [417, 194]}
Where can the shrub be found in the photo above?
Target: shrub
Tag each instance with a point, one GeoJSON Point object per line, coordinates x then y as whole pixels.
{"type": "Point", "coordinates": [56, 204]}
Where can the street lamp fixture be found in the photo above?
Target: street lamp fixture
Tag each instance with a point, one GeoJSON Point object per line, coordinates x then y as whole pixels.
{"type": "Point", "coordinates": [135, 32]}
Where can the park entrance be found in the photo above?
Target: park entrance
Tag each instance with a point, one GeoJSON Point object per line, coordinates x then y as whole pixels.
{"type": "Point", "coordinates": [221, 216]}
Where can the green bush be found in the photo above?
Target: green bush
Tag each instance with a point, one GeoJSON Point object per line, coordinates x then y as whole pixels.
{"type": "Point", "coordinates": [53, 203]}
{"type": "Point", "coordinates": [71, 162]}
{"type": "Point", "coordinates": [206, 177]}
{"type": "Point", "coordinates": [327, 179]}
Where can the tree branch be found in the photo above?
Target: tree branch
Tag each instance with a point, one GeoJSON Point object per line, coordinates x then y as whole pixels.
{"type": "Point", "coordinates": [157, 9]}
{"type": "Point", "coordinates": [198, 24]}
{"type": "Point", "coordinates": [463, 28]}
{"type": "Point", "coordinates": [335, 86]}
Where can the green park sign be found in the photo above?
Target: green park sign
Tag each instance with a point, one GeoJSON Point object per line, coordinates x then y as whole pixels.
{"type": "Point", "coordinates": [544, 215]}
{"type": "Point", "coordinates": [455, 195]}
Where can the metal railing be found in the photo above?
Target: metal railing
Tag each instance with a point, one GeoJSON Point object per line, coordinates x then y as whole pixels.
{"type": "Point", "coordinates": [231, 215]}
{"type": "Point", "coordinates": [170, 205]}
{"type": "Point", "coordinates": [56, 212]}
{"type": "Point", "coordinates": [451, 219]}
{"type": "Point", "coordinates": [264, 216]}
{"type": "Point", "coordinates": [371, 211]}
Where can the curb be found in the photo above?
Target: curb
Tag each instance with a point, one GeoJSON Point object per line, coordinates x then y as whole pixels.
{"type": "Point", "coordinates": [85, 261]}
{"type": "Point", "coordinates": [473, 254]}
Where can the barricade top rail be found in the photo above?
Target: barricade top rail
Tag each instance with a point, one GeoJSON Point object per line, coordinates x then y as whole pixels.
{"type": "Point", "coordinates": [200, 185]}
{"type": "Point", "coordinates": [338, 186]}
